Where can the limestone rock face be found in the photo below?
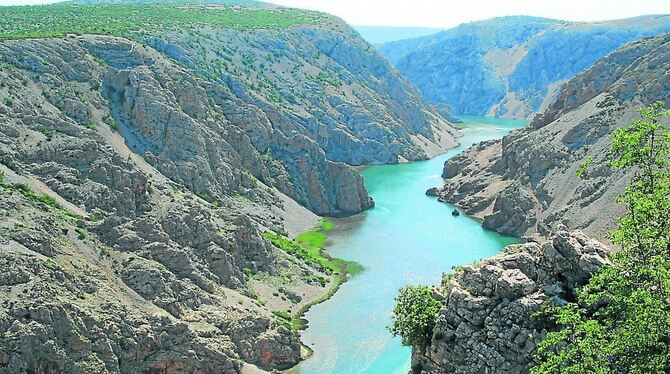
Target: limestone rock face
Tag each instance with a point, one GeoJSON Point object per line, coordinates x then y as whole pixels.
{"type": "Point", "coordinates": [486, 324]}
{"type": "Point", "coordinates": [164, 157]}
{"type": "Point", "coordinates": [525, 183]}
{"type": "Point", "coordinates": [510, 67]}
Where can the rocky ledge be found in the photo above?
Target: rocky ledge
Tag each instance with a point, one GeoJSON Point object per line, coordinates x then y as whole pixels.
{"type": "Point", "coordinates": [526, 184]}
{"type": "Point", "coordinates": [487, 323]}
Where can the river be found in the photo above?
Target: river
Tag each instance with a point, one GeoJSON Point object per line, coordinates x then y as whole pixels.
{"type": "Point", "coordinates": [408, 238]}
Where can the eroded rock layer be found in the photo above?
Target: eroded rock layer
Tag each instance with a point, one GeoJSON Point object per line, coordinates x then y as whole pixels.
{"type": "Point", "coordinates": [488, 322]}
{"type": "Point", "coordinates": [526, 183]}
{"type": "Point", "coordinates": [140, 172]}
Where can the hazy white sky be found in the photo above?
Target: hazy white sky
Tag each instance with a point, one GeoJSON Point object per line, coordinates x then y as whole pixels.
{"type": "Point", "coordinates": [448, 13]}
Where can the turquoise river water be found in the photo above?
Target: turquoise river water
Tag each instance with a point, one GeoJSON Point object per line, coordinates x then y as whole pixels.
{"type": "Point", "coordinates": [408, 238]}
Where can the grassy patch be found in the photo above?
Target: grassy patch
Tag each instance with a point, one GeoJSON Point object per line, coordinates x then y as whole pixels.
{"type": "Point", "coordinates": [47, 132]}
{"type": "Point", "coordinates": [81, 234]}
{"type": "Point", "coordinates": [46, 201]}
{"type": "Point", "coordinates": [282, 314]}
{"type": "Point", "coordinates": [326, 225]}
{"type": "Point", "coordinates": [26, 191]}
{"type": "Point", "coordinates": [308, 246]}
{"type": "Point", "coordinates": [59, 20]}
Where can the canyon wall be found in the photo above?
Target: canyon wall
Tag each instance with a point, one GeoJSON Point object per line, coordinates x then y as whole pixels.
{"type": "Point", "coordinates": [141, 169]}
{"type": "Point", "coordinates": [526, 183]}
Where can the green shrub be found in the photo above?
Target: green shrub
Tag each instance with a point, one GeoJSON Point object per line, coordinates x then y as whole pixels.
{"type": "Point", "coordinates": [93, 218]}
{"type": "Point", "coordinates": [620, 322]}
{"type": "Point", "coordinates": [61, 19]}
{"type": "Point", "coordinates": [26, 191]}
{"type": "Point", "coordinates": [583, 167]}
{"type": "Point", "coordinates": [81, 234]}
{"type": "Point", "coordinates": [282, 314]}
{"type": "Point", "coordinates": [48, 133]}
{"type": "Point", "coordinates": [414, 315]}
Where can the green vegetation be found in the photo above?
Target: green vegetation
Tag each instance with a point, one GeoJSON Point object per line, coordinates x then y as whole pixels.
{"type": "Point", "coordinates": [47, 200]}
{"type": "Point", "coordinates": [95, 85]}
{"type": "Point", "coordinates": [414, 315]}
{"type": "Point", "coordinates": [308, 247]}
{"type": "Point", "coordinates": [81, 234]}
{"type": "Point", "coordinates": [47, 132]}
{"type": "Point", "coordinates": [583, 167]}
{"type": "Point", "coordinates": [282, 314]}
{"type": "Point", "coordinates": [620, 322]}
{"type": "Point", "coordinates": [61, 19]}
{"type": "Point", "coordinates": [326, 225]}
{"type": "Point", "coordinates": [93, 218]}
{"type": "Point", "coordinates": [288, 320]}
{"type": "Point", "coordinates": [104, 251]}
{"type": "Point", "coordinates": [328, 78]}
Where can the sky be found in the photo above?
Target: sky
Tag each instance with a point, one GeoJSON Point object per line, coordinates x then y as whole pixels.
{"type": "Point", "coordinates": [449, 13]}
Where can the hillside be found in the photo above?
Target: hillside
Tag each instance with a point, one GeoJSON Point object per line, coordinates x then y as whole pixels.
{"type": "Point", "coordinates": [526, 184]}
{"type": "Point", "coordinates": [154, 157]}
{"type": "Point", "coordinates": [489, 319]}
{"type": "Point", "coordinates": [510, 67]}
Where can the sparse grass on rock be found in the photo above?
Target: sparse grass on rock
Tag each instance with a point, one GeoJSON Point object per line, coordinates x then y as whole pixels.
{"type": "Point", "coordinates": [59, 20]}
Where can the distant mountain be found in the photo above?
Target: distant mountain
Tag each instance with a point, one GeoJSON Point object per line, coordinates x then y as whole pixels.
{"type": "Point", "coordinates": [511, 66]}
{"type": "Point", "coordinates": [385, 34]}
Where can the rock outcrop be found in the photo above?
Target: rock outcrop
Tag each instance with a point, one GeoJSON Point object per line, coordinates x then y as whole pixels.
{"type": "Point", "coordinates": [525, 184]}
{"type": "Point", "coordinates": [488, 323]}
{"type": "Point", "coordinates": [141, 169]}
{"type": "Point", "coordinates": [510, 67]}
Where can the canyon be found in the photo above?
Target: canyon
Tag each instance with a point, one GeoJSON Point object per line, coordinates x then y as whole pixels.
{"type": "Point", "coordinates": [182, 182]}
{"type": "Point", "coordinates": [143, 170]}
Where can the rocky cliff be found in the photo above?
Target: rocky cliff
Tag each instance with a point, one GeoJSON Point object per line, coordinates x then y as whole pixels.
{"type": "Point", "coordinates": [525, 184]}
{"type": "Point", "coordinates": [511, 67]}
{"type": "Point", "coordinates": [141, 167]}
{"type": "Point", "coordinates": [488, 323]}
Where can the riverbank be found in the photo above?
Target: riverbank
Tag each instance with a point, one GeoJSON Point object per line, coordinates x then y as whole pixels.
{"type": "Point", "coordinates": [310, 248]}
{"type": "Point", "coordinates": [408, 238]}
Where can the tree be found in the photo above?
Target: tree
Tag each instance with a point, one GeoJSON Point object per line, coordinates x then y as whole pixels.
{"type": "Point", "coordinates": [621, 320]}
{"type": "Point", "coordinates": [414, 315]}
